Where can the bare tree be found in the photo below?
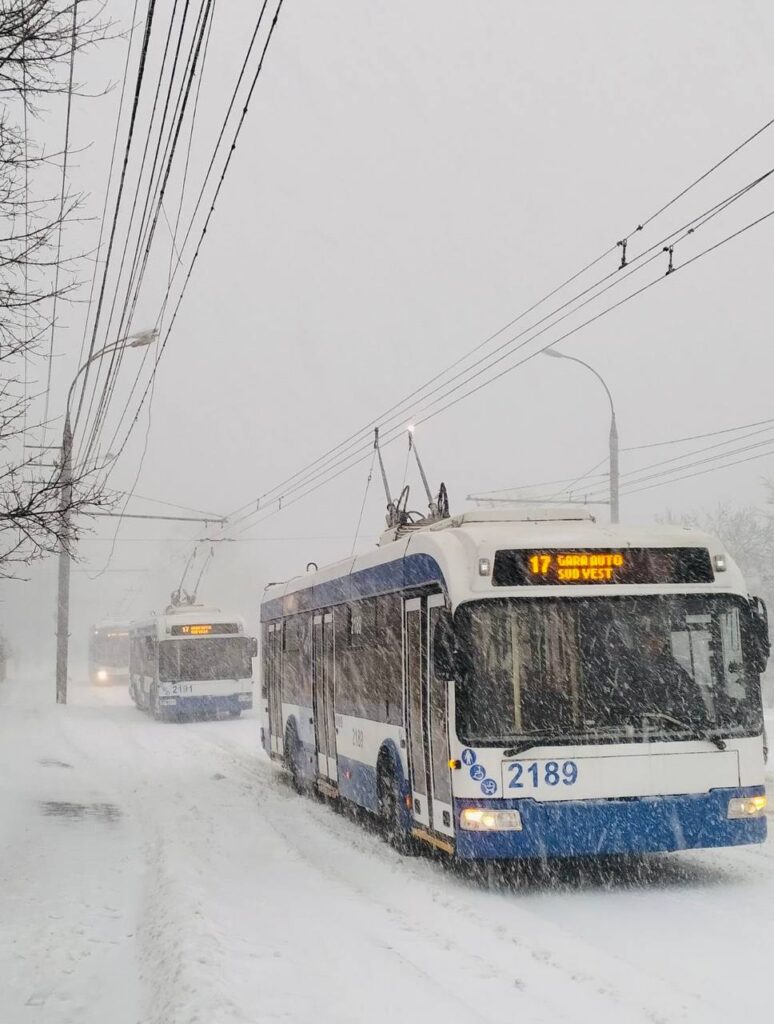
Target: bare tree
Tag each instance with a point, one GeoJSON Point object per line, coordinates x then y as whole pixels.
{"type": "Point", "coordinates": [39, 40]}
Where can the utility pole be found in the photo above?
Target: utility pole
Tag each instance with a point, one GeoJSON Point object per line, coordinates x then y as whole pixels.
{"type": "Point", "coordinates": [63, 592]}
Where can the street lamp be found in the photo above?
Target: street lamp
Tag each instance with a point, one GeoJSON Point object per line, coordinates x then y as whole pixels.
{"type": "Point", "coordinates": [613, 430]}
{"type": "Point", "coordinates": [139, 340]}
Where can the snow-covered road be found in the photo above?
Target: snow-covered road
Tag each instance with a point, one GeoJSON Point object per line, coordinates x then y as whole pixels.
{"type": "Point", "coordinates": [154, 873]}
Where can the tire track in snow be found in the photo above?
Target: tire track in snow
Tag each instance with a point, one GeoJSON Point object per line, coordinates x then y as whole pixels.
{"type": "Point", "coordinates": [589, 982]}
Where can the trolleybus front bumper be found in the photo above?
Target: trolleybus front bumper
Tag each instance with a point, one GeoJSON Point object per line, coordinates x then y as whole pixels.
{"type": "Point", "coordinates": [174, 707]}
{"type": "Point", "coordinates": [609, 827]}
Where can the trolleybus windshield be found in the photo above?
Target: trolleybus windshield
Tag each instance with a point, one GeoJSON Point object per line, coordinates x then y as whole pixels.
{"type": "Point", "coordinates": [205, 658]}
{"type": "Point", "coordinates": [109, 647]}
{"type": "Point", "coordinates": [604, 669]}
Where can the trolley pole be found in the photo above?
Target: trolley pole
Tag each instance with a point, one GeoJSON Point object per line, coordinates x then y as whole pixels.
{"type": "Point", "coordinates": [63, 593]}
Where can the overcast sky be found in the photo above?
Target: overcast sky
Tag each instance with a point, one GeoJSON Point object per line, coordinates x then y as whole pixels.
{"type": "Point", "coordinates": [412, 176]}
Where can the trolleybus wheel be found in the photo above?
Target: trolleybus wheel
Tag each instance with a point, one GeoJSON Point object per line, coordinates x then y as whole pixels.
{"type": "Point", "coordinates": [390, 812]}
{"type": "Point", "coordinates": [291, 757]}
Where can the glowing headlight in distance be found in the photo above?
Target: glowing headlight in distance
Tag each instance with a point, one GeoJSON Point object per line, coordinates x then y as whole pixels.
{"type": "Point", "coordinates": [102, 675]}
{"type": "Point", "coordinates": [747, 806]}
{"type": "Point", "coordinates": [479, 819]}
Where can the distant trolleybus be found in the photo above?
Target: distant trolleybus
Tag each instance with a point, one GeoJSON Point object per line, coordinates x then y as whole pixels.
{"type": "Point", "coordinates": [191, 661]}
{"type": "Point", "coordinates": [526, 684]}
{"type": "Point", "coordinates": [109, 654]}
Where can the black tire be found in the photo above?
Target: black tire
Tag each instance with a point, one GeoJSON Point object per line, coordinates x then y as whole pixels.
{"type": "Point", "coordinates": [390, 813]}
{"type": "Point", "coordinates": [292, 754]}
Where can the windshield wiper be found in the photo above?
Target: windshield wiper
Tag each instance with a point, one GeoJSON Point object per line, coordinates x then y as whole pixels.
{"type": "Point", "coordinates": [703, 734]}
{"type": "Point", "coordinates": [535, 741]}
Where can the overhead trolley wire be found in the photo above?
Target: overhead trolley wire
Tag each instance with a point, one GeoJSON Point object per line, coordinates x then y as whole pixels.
{"type": "Point", "coordinates": [380, 419]}
{"type": "Point", "coordinates": [356, 460]}
{"type": "Point", "coordinates": [637, 473]}
{"type": "Point", "coordinates": [506, 349]}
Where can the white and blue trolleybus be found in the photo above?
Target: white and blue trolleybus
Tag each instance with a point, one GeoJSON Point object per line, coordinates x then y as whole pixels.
{"type": "Point", "coordinates": [191, 660]}
{"type": "Point", "coordinates": [109, 654]}
{"type": "Point", "coordinates": [526, 683]}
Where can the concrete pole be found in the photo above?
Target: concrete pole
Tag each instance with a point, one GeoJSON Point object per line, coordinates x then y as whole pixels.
{"type": "Point", "coordinates": [613, 468]}
{"type": "Point", "coordinates": [63, 594]}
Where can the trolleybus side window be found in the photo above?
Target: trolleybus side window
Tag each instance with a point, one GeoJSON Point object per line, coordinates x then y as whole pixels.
{"type": "Point", "coordinates": [296, 664]}
{"type": "Point", "coordinates": [369, 681]}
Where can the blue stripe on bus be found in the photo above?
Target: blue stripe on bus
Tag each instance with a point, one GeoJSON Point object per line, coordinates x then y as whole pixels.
{"type": "Point", "coordinates": [411, 571]}
{"type": "Point", "coordinates": [660, 824]}
{"type": "Point", "coordinates": [357, 782]}
{"type": "Point", "coordinates": [203, 705]}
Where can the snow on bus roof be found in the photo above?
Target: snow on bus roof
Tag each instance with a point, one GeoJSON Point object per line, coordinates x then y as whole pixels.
{"type": "Point", "coordinates": [458, 540]}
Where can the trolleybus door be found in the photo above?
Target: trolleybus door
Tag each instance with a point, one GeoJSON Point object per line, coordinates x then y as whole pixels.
{"type": "Point", "coordinates": [437, 727]}
{"type": "Point", "coordinates": [415, 660]}
{"type": "Point", "coordinates": [322, 695]}
{"type": "Point", "coordinates": [274, 686]}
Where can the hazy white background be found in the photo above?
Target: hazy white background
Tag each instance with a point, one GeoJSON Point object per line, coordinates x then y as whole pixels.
{"type": "Point", "coordinates": [412, 175]}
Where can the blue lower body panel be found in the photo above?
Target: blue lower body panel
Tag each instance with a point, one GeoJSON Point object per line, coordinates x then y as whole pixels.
{"type": "Point", "coordinates": [608, 827]}
{"type": "Point", "coordinates": [190, 706]}
{"type": "Point", "coordinates": [357, 782]}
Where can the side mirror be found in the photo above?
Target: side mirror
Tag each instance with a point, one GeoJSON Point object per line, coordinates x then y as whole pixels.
{"type": "Point", "coordinates": [253, 647]}
{"type": "Point", "coordinates": [443, 647]}
{"type": "Point", "coordinates": [761, 641]}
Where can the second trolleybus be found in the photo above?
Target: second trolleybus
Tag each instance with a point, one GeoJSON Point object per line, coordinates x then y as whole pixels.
{"type": "Point", "coordinates": [191, 660]}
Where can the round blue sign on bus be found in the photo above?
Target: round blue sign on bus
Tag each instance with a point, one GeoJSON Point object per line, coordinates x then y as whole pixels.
{"type": "Point", "coordinates": [489, 787]}
{"type": "Point", "coordinates": [478, 772]}
{"type": "Point", "coordinates": [468, 756]}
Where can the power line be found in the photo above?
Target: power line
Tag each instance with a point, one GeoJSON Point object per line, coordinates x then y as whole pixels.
{"type": "Point", "coordinates": [702, 472]}
{"type": "Point", "coordinates": [109, 180]}
{"type": "Point", "coordinates": [702, 177]}
{"type": "Point", "coordinates": [357, 460]}
{"type": "Point", "coordinates": [403, 402]}
{"type": "Point", "coordinates": [114, 224]}
{"type": "Point", "coordinates": [66, 153]}
{"type": "Point", "coordinates": [154, 194]}
{"type": "Point", "coordinates": [695, 437]}
{"type": "Point", "coordinates": [328, 460]}
{"type": "Point", "coordinates": [207, 221]}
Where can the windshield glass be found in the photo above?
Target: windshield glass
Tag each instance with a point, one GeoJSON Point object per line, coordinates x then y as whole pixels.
{"type": "Point", "coordinates": [110, 649]}
{"type": "Point", "coordinates": [205, 658]}
{"type": "Point", "coordinates": [630, 668]}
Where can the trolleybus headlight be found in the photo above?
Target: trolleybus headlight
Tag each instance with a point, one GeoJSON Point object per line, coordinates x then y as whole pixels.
{"type": "Point", "coordinates": [747, 806]}
{"type": "Point", "coordinates": [479, 819]}
{"type": "Point", "coordinates": [102, 675]}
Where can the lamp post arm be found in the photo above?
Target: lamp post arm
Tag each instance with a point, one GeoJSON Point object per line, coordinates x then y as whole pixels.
{"type": "Point", "coordinates": [97, 355]}
{"type": "Point", "coordinates": [600, 378]}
